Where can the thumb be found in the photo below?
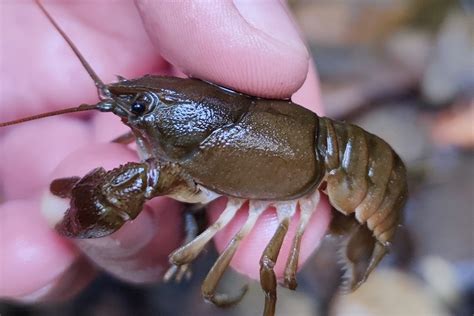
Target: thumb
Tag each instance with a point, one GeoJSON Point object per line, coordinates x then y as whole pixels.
{"type": "Point", "coordinates": [252, 47]}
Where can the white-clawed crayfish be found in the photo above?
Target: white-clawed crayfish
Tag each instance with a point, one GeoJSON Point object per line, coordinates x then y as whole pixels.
{"type": "Point", "coordinates": [199, 141]}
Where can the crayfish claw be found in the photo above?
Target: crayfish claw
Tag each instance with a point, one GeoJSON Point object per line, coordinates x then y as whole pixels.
{"type": "Point", "coordinates": [101, 201]}
{"type": "Point", "coordinates": [63, 187]}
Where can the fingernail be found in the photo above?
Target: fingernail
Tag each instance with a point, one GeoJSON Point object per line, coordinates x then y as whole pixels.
{"type": "Point", "coordinates": [53, 208]}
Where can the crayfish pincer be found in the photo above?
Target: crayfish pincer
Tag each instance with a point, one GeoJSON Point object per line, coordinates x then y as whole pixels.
{"type": "Point", "coordinates": [199, 141]}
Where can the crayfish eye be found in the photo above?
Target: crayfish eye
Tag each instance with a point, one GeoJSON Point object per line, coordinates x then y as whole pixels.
{"type": "Point", "coordinates": [143, 103]}
{"type": "Point", "coordinates": [138, 108]}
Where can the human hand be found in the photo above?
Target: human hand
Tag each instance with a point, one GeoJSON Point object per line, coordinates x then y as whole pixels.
{"type": "Point", "coordinates": [250, 48]}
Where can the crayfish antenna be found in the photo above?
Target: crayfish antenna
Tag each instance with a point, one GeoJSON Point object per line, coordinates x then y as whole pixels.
{"type": "Point", "coordinates": [103, 91]}
{"type": "Point", "coordinates": [104, 94]}
{"type": "Point", "coordinates": [80, 108]}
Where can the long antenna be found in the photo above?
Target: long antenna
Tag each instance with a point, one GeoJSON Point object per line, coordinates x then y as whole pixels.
{"type": "Point", "coordinates": [103, 90]}
{"type": "Point", "coordinates": [108, 101]}
{"type": "Point", "coordinates": [104, 93]}
{"type": "Point", "coordinates": [80, 108]}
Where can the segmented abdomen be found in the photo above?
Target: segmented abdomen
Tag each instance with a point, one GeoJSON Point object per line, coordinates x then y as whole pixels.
{"type": "Point", "coordinates": [364, 176]}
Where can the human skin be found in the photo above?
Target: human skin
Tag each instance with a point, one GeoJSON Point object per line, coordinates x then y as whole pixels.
{"type": "Point", "coordinates": [254, 48]}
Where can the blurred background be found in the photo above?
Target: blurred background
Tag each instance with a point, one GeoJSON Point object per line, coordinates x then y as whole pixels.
{"type": "Point", "coordinates": [403, 70]}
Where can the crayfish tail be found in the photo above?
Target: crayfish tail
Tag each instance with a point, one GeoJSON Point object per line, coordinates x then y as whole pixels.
{"type": "Point", "coordinates": [359, 255]}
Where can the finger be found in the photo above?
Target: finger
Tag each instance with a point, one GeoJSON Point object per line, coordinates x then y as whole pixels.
{"type": "Point", "coordinates": [31, 151]}
{"type": "Point", "coordinates": [309, 95]}
{"type": "Point", "coordinates": [138, 252]}
{"type": "Point", "coordinates": [37, 265]}
{"type": "Point", "coordinates": [250, 47]}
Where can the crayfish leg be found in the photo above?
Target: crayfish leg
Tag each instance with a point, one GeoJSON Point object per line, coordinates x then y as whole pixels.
{"type": "Point", "coordinates": [217, 271]}
{"type": "Point", "coordinates": [191, 231]}
{"type": "Point", "coordinates": [285, 210]}
{"type": "Point", "coordinates": [307, 207]}
{"type": "Point", "coordinates": [191, 250]}
{"type": "Point", "coordinates": [268, 260]}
